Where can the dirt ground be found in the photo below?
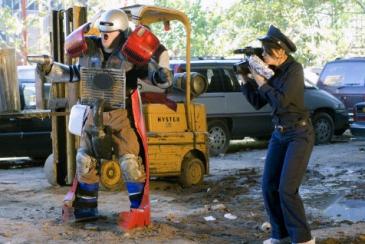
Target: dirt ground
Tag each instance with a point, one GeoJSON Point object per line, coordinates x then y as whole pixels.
{"type": "Point", "coordinates": [333, 192]}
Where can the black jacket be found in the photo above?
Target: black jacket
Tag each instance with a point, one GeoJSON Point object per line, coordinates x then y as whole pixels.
{"type": "Point", "coordinates": [284, 92]}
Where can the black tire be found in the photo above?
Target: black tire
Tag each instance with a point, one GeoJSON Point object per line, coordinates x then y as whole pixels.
{"type": "Point", "coordinates": [323, 127]}
{"type": "Point", "coordinates": [39, 159]}
{"type": "Point", "coordinates": [219, 137]}
{"type": "Point", "coordinates": [49, 170]}
{"type": "Point", "coordinates": [262, 138]}
{"type": "Point", "coordinates": [192, 172]}
{"type": "Point", "coordinates": [340, 131]}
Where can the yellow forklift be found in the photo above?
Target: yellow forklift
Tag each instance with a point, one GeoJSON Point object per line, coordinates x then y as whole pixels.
{"type": "Point", "coordinates": [177, 139]}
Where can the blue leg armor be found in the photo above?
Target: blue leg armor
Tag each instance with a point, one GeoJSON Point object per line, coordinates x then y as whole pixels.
{"type": "Point", "coordinates": [135, 193]}
{"type": "Point", "coordinates": [86, 202]}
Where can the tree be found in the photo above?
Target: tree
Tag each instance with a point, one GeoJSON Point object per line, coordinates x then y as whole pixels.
{"type": "Point", "coordinates": [322, 30]}
{"type": "Point", "coordinates": [203, 25]}
{"type": "Point", "coordinates": [10, 29]}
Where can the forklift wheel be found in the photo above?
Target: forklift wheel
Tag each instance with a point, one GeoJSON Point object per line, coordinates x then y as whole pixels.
{"type": "Point", "coordinates": [192, 172]}
{"type": "Point", "coordinates": [111, 175]}
{"type": "Point", "coordinates": [49, 170]}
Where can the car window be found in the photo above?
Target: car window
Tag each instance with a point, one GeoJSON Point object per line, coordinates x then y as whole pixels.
{"type": "Point", "coordinates": [309, 84]}
{"type": "Point", "coordinates": [235, 86]}
{"type": "Point", "coordinates": [29, 94]}
{"type": "Point", "coordinates": [222, 80]}
{"type": "Point", "coordinates": [343, 74]}
{"type": "Point", "coordinates": [26, 78]}
{"type": "Point", "coordinates": [215, 81]}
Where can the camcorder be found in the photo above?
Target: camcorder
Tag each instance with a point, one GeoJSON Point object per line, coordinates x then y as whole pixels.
{"type": "Point", "coordinates": [243, 66]}
{"type": "Point", "coordinates": [254, 60]}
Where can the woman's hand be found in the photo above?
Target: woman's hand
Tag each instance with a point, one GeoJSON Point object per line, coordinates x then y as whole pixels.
{"type": "Point", "coordinates": [260, 80]}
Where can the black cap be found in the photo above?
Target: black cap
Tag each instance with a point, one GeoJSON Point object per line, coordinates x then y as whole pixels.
{"type": "Point", "coordinates": [276, 36]}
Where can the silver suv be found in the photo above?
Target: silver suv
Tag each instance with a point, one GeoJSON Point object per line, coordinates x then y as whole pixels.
{"type": "Point", "coordinates": [230, 116]}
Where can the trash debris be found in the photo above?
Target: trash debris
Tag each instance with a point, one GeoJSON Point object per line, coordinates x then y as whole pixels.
{"type": "Point", "coordinates": [208, 190]}
{"type": "Point", "coordinates": [172, 217]}
{"type": "Point", "coordinates": [200, 211]}
{"type": "Point", "coordinates": [215, 201]}
{"type": "Point", "coordinates": [209, 218]}
{"type": "Point", "coordinates": [91, 226]}
{"type": "Point", "coordinates": [266, 227]}
{"type": "Point", "coordinates": [230, 216]}
{"type": "Point", "coordinates": [8, 182]}
{"type": "Point", "coordinates": [219, 206]}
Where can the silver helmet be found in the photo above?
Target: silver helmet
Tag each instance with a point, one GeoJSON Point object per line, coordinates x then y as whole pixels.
{"type": "Point", "coordinates": [113, 20]}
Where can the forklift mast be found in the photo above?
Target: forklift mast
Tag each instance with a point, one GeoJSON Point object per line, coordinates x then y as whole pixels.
{"type": "Point", "coordinates": [64, 144]}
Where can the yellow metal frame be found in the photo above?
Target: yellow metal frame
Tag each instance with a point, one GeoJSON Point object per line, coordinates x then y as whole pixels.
{"type": "Point", "coordinates": [145, 15]}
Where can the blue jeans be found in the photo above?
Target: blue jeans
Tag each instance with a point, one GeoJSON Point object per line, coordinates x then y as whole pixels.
{"type": "Point", "coordinates": [286, 163]}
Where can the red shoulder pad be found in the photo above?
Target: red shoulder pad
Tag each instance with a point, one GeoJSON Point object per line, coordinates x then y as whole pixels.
{"type": "Point", "coordinates": [75, 43]}
{"type": "Point", "coordinates": [140, 46]}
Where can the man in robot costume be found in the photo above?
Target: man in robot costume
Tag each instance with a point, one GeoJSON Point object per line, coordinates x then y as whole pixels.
{"type": "Point", "coordinates": [105, 52]}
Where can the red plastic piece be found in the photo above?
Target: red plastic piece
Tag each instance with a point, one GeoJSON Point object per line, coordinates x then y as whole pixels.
{"type": "Point", "coordinates": [140, 46]}
{"type": "Point", "coordinates": [135, 218]}
{"type": "Point", "coordinates": [75, 43]}
{"type": "Point", "coordinates": [139, 217]}
{"type": "Point", "coordinates": [68, 212]}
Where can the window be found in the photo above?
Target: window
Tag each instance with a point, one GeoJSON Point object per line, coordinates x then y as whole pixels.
{"type": "Point", "coordinates": [215, 83]}
{"type": "Point", "coordinates": [344, 74]}
{"type": "Point", "coordinates": [222, 80]}
{"type": "Point", "coordinates": [234, 85]}
{"type": "Point", "coordinates": [33, 5]}
{"type": "Point", "coordinates": [29, 95]}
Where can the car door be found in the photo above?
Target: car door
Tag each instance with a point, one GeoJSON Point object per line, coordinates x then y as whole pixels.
{"type": "Point", "coordinates": [10, 135]}
{"type": "Point", "coordinates": [36, 137]}
{"type": "Point", "coordinates": [35, 140]}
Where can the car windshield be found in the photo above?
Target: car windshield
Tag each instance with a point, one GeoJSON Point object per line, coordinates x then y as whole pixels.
{"type": "Point", "coordinates": [309, 84]}
{"type": "Point", "coordinates": [29, 94]}
{"type": "Point", "coordinates": [340, 74]}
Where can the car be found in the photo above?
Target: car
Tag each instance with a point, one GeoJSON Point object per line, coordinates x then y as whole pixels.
{"type": "Point", "coordinates": [230, 116]}
{"type": "Point", "coordinates": [345, 79]}
{"type": "Point", "coordinates": [21, 135]}
{"type": "Point", "coordinates": [357, 127]}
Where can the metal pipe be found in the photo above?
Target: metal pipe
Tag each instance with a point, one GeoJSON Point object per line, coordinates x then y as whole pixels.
{"type": "Point", "coordinates": [74, 17]}
{"type": "Point", "coordinates": [70, 139]}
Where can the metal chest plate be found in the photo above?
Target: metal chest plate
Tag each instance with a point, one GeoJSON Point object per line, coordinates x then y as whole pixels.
{"type": "Point", "coordinates": [108, 84]}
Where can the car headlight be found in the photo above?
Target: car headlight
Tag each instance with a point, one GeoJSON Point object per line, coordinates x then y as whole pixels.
{"type": "Point", "coordinates": [341, 106]}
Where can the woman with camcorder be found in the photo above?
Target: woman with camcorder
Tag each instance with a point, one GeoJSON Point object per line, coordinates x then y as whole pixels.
{"type": "Point", "coordinates": [279, 81]}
